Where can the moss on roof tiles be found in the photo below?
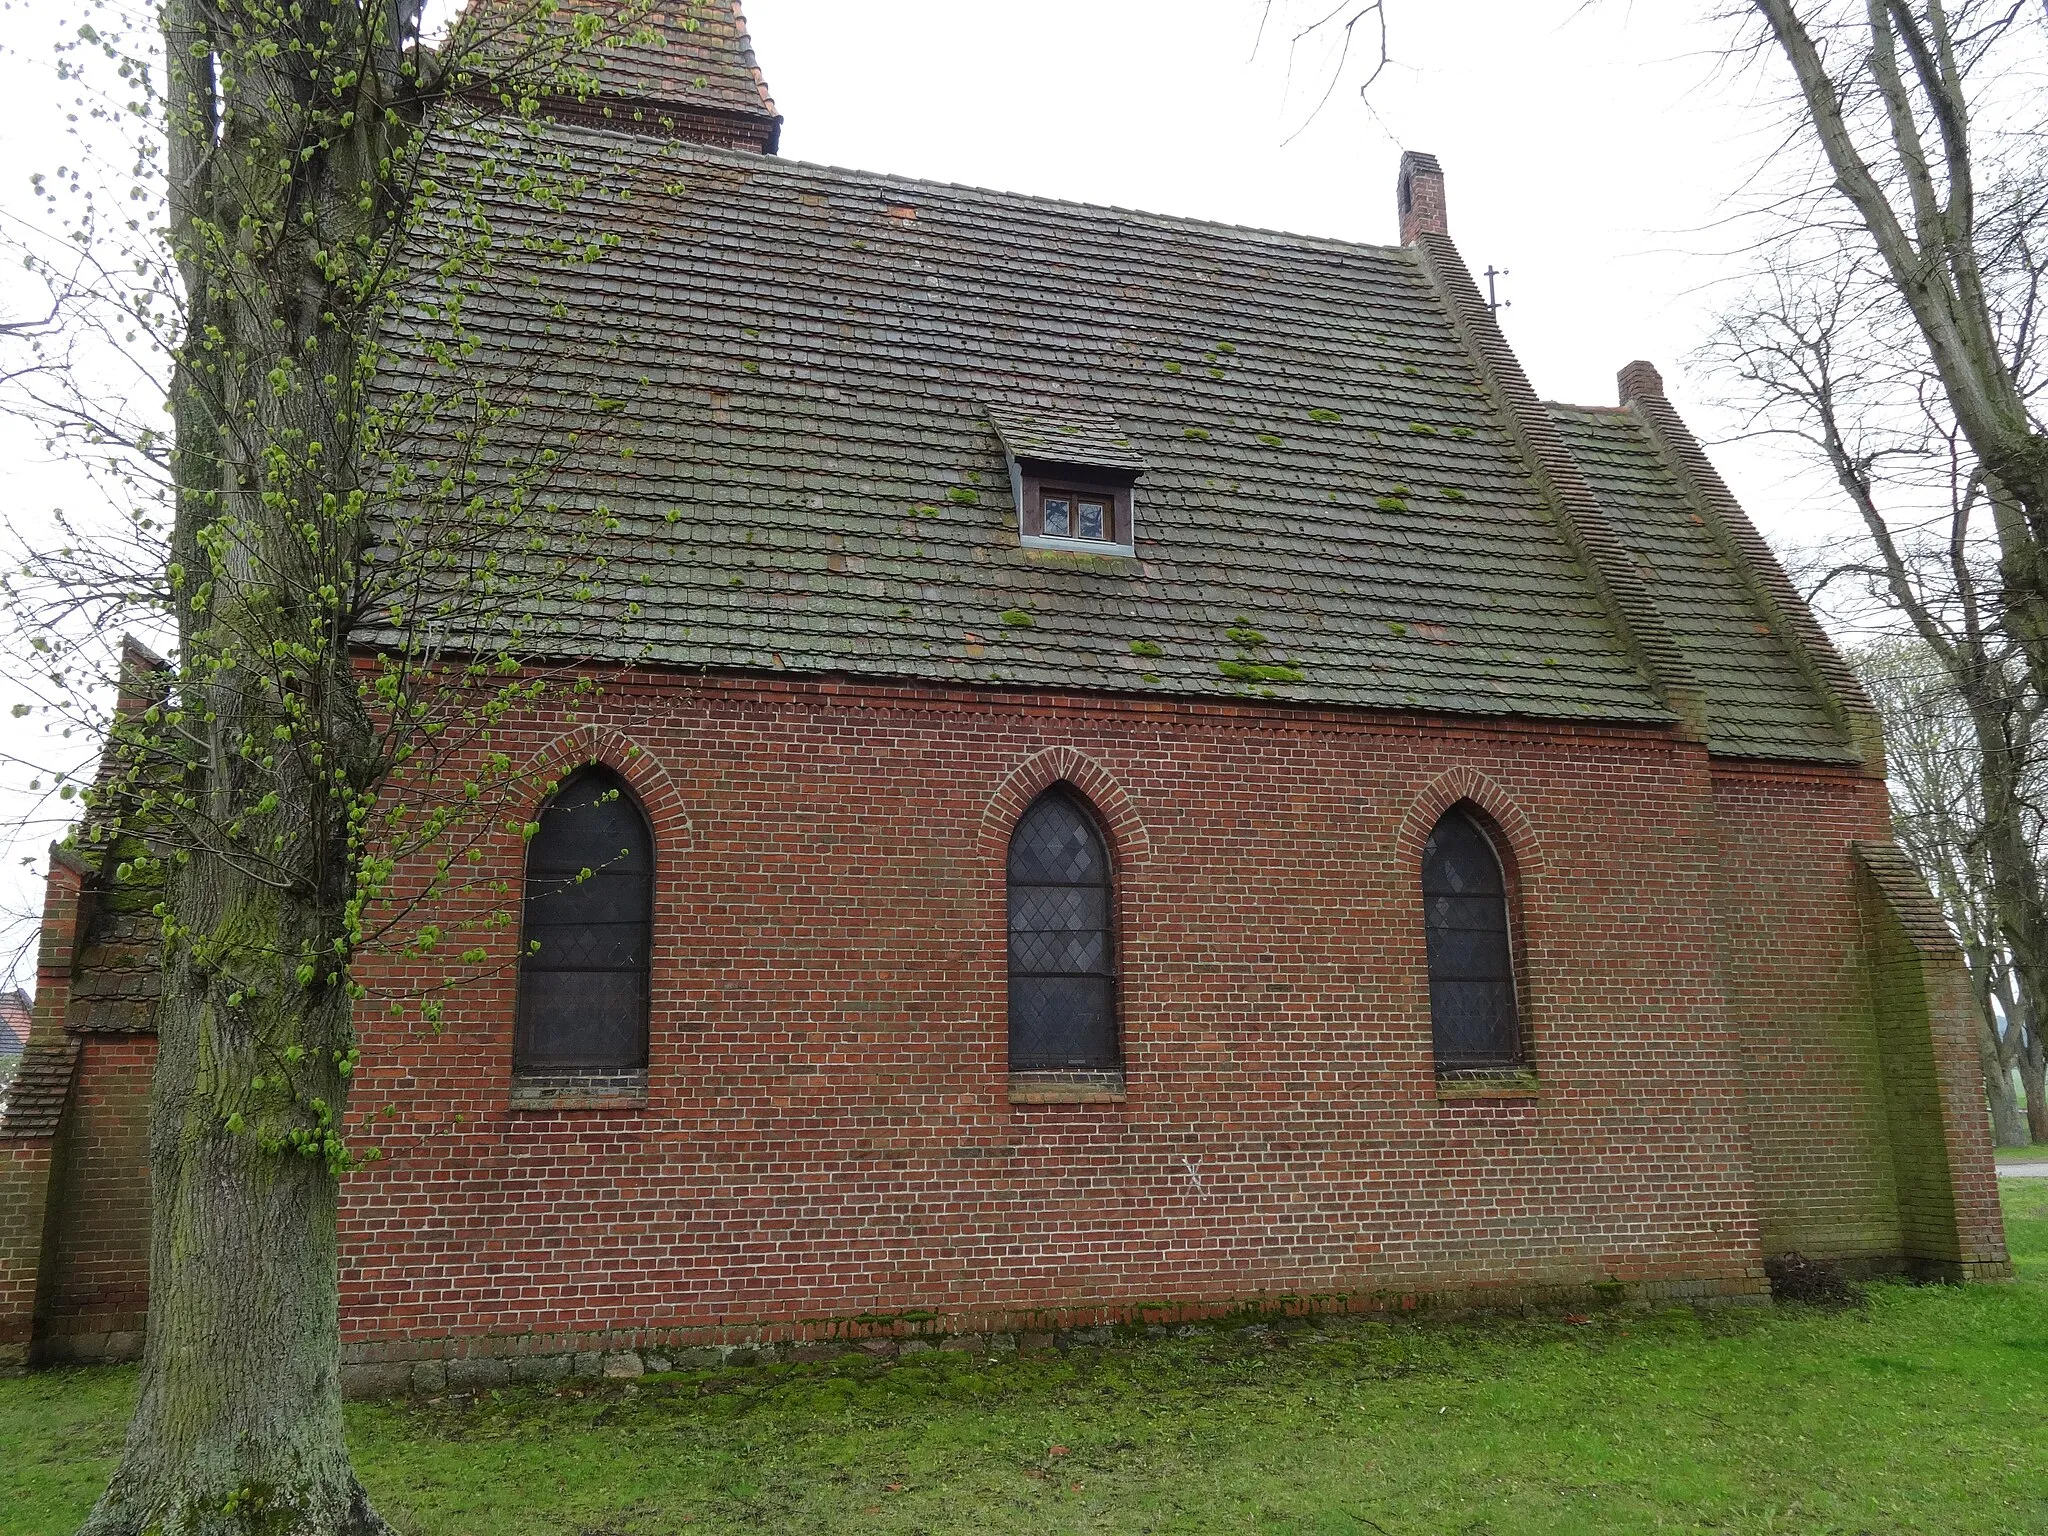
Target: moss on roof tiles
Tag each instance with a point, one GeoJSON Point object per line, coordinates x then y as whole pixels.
{"type": "Point", "coordinates": [1759, 703]}
{"type": "Point", "coordinates": [810, 356]}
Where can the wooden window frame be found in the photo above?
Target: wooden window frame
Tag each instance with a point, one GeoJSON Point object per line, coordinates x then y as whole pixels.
{"type": "Point", "coordinates": [1037, 483]}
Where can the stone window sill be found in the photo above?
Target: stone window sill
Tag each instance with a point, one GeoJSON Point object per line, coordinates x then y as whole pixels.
{"type": "Point", "coordinates": [1509, 1084]}
{"type": "Point", "coordinates": [1067, 1087]}
{"type": "Point", "coordinates": [580, 1090]}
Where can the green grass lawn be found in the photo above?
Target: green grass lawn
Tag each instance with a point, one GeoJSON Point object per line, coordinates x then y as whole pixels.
{"type": "Point", "coordinates": [1925, 1410]}
{"type": "Point", "coordinates": [2034, 1154]}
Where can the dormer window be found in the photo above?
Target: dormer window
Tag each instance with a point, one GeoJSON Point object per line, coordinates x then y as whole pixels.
{"type": "Point", "coordinates": [1065, 510]}
{"type": "Point", "coordinates": [1074, 477]}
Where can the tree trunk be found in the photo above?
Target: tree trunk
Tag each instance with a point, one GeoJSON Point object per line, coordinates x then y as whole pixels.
{"type": "Point", "coordinates": [2033, 1067]}
{"type": "Point", "coordinates": [238, 1428]}
{"type": "Point", "coordinates": [2018, 908]}
{"type": "Point", "coordinates": [2008, 1128]}
{"type": "Point", "coordinates": [261, 767]}
{"type": "Point", "coordinates": [2023, 1051]}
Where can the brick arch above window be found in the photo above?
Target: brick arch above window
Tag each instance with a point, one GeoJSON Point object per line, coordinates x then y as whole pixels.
{"type": "Point", "coordinates": [660, 797]}
{"type": "Point", "coordinates": [1129, 843]}
{"type": "Point", "coordinates": [1468, 786]}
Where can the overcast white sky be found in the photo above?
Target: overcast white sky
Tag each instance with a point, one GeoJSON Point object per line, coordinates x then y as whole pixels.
{"type": "Point", "coordinates": [1593, 148]}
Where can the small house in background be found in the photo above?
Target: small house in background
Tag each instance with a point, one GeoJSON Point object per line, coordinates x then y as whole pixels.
{"type": "Point", "coordinates": [1147, 772]}
{"type": "Point", "coordinates": [14, 1016]}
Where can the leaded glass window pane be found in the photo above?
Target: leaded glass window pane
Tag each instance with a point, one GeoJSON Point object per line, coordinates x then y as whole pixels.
{"type": "Point", "coordinates": [587, 931]}
{"type": "Point", "coordinates": [1471, 961]}
{"type": "Point", "coordinates": [1091, 520]}
{"type": "Point", "coordinates": [1062, 962]}
{"type": "Point", "coordinates": [1057, 525]}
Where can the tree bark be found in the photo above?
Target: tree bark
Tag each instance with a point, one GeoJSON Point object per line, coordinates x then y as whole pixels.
{"type": "Point", "coordinates": [286, 165]}
{"type": "Point", "coordinates": [238, 1426]}
{"type": "Point", "coordinates": [2033, 1070]}
{"type": "Point", "coordinates": [2008, 1127]}
{"type": "Point", "coordinates": [2019, 905]}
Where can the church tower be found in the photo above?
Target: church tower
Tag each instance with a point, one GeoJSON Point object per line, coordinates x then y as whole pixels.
{"type": "Point", "coordinates": [682, 69]}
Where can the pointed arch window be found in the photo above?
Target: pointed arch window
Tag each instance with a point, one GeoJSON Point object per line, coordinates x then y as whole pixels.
{"type": "Point", "coordinates": [1472, 1008]}
{"type": "Point", "coordinates": [588, 920]}
{"type": "Point", "coordinates": [1062, 951]}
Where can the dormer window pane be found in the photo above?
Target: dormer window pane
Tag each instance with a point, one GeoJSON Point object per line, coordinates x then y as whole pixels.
{"type": "Point", "coordinates": [1075, 513]}
{"type": "Point", "coordinates": [1073, 476]}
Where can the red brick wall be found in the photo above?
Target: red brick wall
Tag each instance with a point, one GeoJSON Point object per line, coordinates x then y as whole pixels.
{"type": "Point", "coordinates": [829, 1134]}
{"type": "Point", "coordinates": [1927, 1027]}
{"type": "Point", "coordinates": [95, 1292]}
{"type": "Point", "coordinates": [1801, 993]}
{"type": "Point", "coordinates": [24, 1189]}
{"type": "Point", "coordinates": [34, 1115]}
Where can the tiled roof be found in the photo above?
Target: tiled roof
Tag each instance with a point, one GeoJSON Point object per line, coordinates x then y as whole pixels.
{"type": "Point", "coordinates": [678, 53]}
{"type": "Point", "coordinates": [1759, 703]}
{"type": "Point", "coordinates": [1905, 888]}
{"type": "Point", "coordinates": [801, 363]}
{"type": "Point", "coordinates": [119, 971]}
{"type": "Point", "coordinates": [35, 1099]}
{"type": "Point", "coordinates": [1064, 437]}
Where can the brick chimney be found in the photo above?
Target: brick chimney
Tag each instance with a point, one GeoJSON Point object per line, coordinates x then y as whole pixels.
{"type": "Point", "coordinates": [1420, 196]}
{"type": "Point", "coordinates": [1640, 381]}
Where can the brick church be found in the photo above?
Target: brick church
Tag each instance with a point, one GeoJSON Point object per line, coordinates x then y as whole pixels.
{"type": "Point", "coordinates": [1150, 774]}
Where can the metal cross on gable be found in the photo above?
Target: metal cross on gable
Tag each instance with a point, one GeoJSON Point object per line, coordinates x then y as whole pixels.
{"type": "Point", "coordinates": [1494, 301]}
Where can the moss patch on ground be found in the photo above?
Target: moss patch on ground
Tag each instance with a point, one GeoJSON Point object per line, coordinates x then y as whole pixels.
{"type": "Point", "coordinates": [1919, 1410]}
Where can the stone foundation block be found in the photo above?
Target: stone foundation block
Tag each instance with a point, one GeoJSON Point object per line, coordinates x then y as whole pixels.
{"type": "Point", "coordinates": [386, 1378]}
{"type": "Point", "coordinates": [477, 1374]}
{"type": "Point", "coordinates": [542, 1370]}
{"type": "Point", "coordinates": [708, 1357]}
